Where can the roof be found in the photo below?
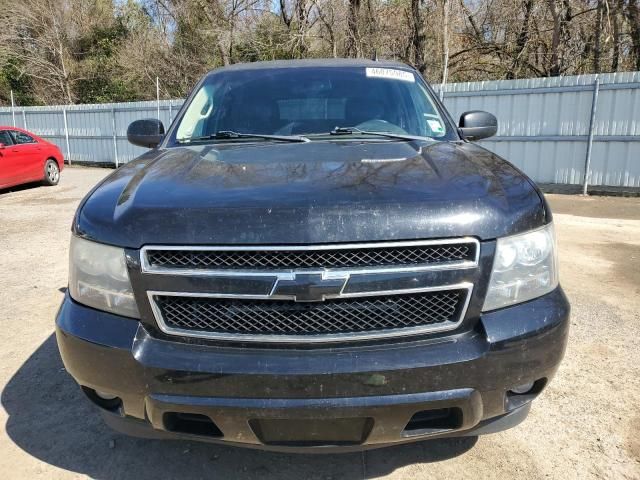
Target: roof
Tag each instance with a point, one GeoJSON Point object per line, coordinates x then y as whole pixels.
{"type": "Point", "coordinates": [11, 127]}
{"type": "Point", "coordinates": [313, 62]}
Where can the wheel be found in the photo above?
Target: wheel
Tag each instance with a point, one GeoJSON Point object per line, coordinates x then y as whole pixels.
{"type": "Point", "coordinates": [51, 173]}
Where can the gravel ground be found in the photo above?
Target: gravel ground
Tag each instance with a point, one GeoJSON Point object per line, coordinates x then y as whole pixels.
{"type": "Point", "coordinates": [585, 425]}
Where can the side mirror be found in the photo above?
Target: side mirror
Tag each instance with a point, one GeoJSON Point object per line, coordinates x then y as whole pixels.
{"type": "Point", "coordinates": [2, 146]}
{"type": "Point", "coordinates": [147, 133]}
{"type": "Point", "coordinates": [476, 124]}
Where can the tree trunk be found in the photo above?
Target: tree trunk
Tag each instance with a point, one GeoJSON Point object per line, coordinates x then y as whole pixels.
{"type": "Point", "coordinates": [633, 16]}
{"type": "Point", "coordinates": [418, 36]}
{"type": "Point", "coordinates": [598, 34]}
{"type": "Point", "coordinates": [352, 43]}
{"type": "Point", "coordinates": [301, 12]}
{"type": "Point", "coordinates": [521, 41]}
{"type": "Point", "coordinates": [617, 10]}
{"type": "Point", "coordinates": [445, 42]}
{"type": "Point", "coordinates": [561, 17]}
{"type": "Point", "coordinates": [283, 14]}
{"type": "Point", "coordinates": [224, 53]}
{"type": "Point", "coordinates": [554, 64]}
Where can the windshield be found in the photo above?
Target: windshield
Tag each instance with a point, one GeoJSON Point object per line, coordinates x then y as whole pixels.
{"type": "Point", "coordinates": [312, 101]}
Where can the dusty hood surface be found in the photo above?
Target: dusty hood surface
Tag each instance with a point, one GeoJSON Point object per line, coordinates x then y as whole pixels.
{"type": "Point", "coordinates": [316, 192]}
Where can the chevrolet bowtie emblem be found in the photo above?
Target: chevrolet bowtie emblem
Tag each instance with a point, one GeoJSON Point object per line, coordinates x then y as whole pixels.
{"type": "Point", "coordinates": [309, 287]}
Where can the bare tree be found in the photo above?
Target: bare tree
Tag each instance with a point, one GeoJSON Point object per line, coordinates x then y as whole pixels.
{"type": "Point", "coordinates": [60, 46]}
{"type": "Point", "coordinates": [36, 29]}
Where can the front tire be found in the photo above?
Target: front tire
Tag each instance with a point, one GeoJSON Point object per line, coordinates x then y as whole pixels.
{"type": "Point", "coordinates": [51, 172]}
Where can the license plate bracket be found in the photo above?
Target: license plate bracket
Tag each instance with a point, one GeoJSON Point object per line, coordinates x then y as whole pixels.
{"type": "Point", "coordinates": [311, 432]}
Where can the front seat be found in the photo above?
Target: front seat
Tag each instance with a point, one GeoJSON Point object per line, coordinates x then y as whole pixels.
{"type": "Point", "coordinates": [259, 116]}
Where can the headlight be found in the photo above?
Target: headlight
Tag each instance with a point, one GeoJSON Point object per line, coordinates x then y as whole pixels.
{"type": "Point", "coordinates": [98, 278]}
{"type": "Point", "coordinates": [524, 267]}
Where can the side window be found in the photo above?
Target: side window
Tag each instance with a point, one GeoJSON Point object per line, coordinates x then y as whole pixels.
{"type": "Point", "coordinates": [21, 138]}
{"type": "Point", "coordinates": [5, 138]}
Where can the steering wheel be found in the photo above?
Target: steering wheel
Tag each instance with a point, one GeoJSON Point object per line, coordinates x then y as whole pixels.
{"type": "Point", "coordinates": [288, 129]}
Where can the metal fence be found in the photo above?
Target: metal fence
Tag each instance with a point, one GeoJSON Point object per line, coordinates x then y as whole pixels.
{"type": "Point", "coordinates": [552, 128]}
{"type": "Point", "coordinates": [90, 133]}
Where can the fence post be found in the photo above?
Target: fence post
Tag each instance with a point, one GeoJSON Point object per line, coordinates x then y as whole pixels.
{"type": "Point", "coordinates": [592, 121]}
{"type": "Point", "coordinates": [115, 135]}
{"type": "Point", "coordinates": [66, 134]}
{"type": "Point", "coordinates": [24, 118]}
{"type": "Point", "coordinates": [158, 95]}
{"type": "Point", "coordinates": [13, 109]}
{"type": "Point", "coordinates": [170, 113]}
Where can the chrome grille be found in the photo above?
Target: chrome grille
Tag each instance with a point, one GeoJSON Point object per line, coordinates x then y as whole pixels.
{"type": "Point", "coordinates": [335, 256]}
{"type": "Point", "coordinates": [386, 314]}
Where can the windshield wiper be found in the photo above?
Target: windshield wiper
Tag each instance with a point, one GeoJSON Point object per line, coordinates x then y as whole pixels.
{"type": "Point", "coordinates": [229, 134]}
{"type": "Point", "coordinates": [356, 130]}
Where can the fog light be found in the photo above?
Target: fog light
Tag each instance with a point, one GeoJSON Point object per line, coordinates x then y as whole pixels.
{"type": "Point", "coordinates": [104, 400]}
{"type": "Point", "coordinates": [522, 389]}
{"type": "Point", "coordinates": [105, 395]}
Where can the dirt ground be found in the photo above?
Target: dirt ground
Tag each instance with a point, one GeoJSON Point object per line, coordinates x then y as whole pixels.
{"type": "Point", "coordinates": [585, 425]}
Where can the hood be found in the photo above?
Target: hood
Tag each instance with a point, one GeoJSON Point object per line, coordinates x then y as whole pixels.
{"type": "Point", "coordinates": [315, 192]}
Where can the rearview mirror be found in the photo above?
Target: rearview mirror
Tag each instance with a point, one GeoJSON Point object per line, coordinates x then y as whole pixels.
{"type": "Point", "coordinates": [147, 133]}
{"type": "Point", "coordinates": [476, 124]}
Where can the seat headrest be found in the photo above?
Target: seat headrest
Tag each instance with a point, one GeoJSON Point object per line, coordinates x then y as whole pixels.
{"type": "Point", "coordinates": [361, 109]}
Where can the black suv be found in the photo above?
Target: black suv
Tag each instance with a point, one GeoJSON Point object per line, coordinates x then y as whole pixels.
{"type": "Point", "coordinates": [313, 257]}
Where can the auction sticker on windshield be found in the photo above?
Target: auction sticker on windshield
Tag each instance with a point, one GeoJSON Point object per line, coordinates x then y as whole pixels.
{"type": "Point", "coordinates": [390, 73]}
{"type": "Point", "coordinates": [435, 126]}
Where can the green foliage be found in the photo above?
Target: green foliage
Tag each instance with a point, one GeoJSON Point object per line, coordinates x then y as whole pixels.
{"type": "Point", "coordinates": [103, 41]}
{"type": "Point", "coordinates": [11, 78]}
{"type": "Point", "coordinates": [96, 53]}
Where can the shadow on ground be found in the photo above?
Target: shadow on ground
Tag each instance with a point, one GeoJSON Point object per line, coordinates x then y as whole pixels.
{"type": "Point", "coordinates": [21, 187]}
{"type": "Point", "coordinates": [50, 420]}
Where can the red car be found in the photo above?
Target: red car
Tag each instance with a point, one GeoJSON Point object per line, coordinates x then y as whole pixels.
{"type": "Point", "coordinates": [25, 157]}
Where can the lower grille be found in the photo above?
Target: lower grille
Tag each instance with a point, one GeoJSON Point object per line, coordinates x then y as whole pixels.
{"type": "Point", "coordinates": [385, 314]}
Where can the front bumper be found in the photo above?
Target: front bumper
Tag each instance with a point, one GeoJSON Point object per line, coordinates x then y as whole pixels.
{"type": "Point", "coordinates": [347, 397]}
